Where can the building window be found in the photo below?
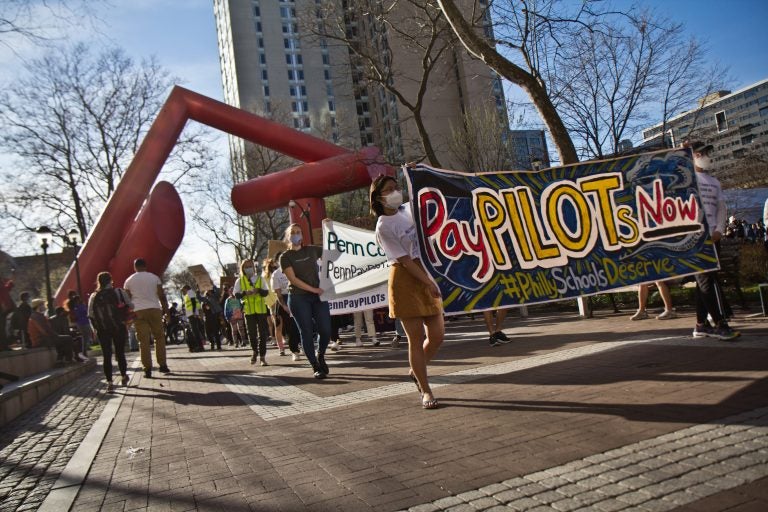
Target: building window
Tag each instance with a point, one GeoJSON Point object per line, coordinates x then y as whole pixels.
{"type": "Point", "coordinates": [722, 123]}
{"type": "Point", "coordinates": [264, 75]}
{"type": "Point", "coordinates": [263, 58]}
{"type": "Point", "coordinates": [258, 27]}
{"type": "Point", "coordinates": [326, 74]}
{"type": "Point", "coordinates": [266, 90]}
{"type": "Point", "coordinates": [291, 75]}
{"type": "Point", "coordinates": [326, 60]}
{"type": "Point", "coordinates": [261, 42]}
{"type": "Point", "coordinates": [331, 106]}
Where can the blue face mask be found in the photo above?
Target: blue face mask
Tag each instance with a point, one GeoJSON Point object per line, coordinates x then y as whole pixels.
{"type": "Point", "coordinates": [296, 239]}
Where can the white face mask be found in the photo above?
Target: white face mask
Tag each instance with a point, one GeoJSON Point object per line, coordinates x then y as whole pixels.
{"type": "Point", "coordinates": [702, 162]}
{"type": "Point", "coordinates": [393, 200]}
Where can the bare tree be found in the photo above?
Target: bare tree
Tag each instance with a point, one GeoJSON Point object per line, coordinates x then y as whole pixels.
{"type": "Point", "coordinates": [530, 30]}
{"type": "Point", "coordinates": [364, 29]}
{"type": "Point", "coordinates": [38, 22]}
{"type": "Point", "coordinates": [481, 142]}
{"type": "Point", "coordinates": [74, 122]}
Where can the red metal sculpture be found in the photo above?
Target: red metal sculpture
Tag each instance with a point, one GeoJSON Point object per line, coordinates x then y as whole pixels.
{"type": "Point", "coordinates": [126, 230]}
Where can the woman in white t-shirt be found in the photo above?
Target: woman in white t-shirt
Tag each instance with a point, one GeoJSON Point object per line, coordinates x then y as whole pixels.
{"type": "Point", "coordinates": [414, 297]}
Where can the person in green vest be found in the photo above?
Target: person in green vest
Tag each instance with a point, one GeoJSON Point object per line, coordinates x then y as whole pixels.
{"type": "Point", "coordinates": [252, 289]}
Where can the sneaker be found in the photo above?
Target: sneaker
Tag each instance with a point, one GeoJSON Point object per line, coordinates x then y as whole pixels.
{"type": "Point", "coordinates": [395, 341]}
{"type": "Point", "coordinates": [640, 315]}
{"type": "Point", "coordinates": [165, 369]}
{"type": "Point", "coordinates": [724, 332]}
{"type": "Point", "coordinates": [124, 380]}
{"type": "Point", "coordinates": [254, 360]}
{"type": "Point", "coordinates": [295, 356]}
{"type": "Point", "coordinates": [319, 375]}
{"type": "Point", "coordinates": [703, 331]}
{"type": "Point", "coordinates": [493, 341]}
{"type": "Point", "coordinates": [321, 364]}
{"type": "Point", "coordinates": [334, 346]}
{"type": "Point", "coordinates": [358, 343]}
{"type": "Point", "coordinates": [282, 352]}
{"type": "Point", "coordinates": [667, 315]}
{"type": "Point", "coordinates": [501, 337]}
{"type": "Point", "coordinates": [263, 362]}
{"type": "Point", "coordinates": [110, 387]}
{"type": "Point", "coordinates": [375, 342]}
{"type": "Point", "coordinates": [148, 374]}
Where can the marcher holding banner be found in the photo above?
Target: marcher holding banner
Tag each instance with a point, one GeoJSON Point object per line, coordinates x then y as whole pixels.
{"type": "Point", "coordinates": [713, 204]}
{"type": "Point", "coordinates": [413, 297]}
{"type": "Point", "coordinates": [299, 264]}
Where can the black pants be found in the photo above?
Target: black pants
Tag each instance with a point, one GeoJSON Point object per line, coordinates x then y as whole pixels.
{"type": "Point", "coordinates": [197, 328]}
{"type": "Point", "coordinates": [108, 340]}
{"type": "Point", "coordinates": [706, 298]}
{"type": "Point", "coordinates": [212, 332]}
{"type": "Point", "coordinates": [258, 332]}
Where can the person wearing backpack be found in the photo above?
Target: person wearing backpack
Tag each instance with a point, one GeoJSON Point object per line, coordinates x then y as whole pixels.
{"type": "Point", "coordinates": [107, 309]}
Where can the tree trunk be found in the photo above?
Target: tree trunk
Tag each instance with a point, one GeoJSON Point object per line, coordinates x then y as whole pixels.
{"type": "Point", "coordinates": [480, 48]}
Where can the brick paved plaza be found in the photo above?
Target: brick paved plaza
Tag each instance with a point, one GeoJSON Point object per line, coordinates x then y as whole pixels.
{"type": "Point", "coordinates": [601, 414]}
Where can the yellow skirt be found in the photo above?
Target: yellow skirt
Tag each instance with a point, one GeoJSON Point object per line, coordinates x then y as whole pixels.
{"type": "Point", "coordinates": [408, 297]}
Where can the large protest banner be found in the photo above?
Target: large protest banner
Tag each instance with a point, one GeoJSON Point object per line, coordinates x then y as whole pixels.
{"type": "Point", "coordinates": [354, 269]}
{"type": "Point", "coordinates": [513, 238]}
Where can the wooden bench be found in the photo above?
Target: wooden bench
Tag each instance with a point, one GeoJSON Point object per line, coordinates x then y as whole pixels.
{"type": "Point", "coordinates": [39, 376]}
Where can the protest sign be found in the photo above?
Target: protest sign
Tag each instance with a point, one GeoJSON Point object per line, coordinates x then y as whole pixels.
{"type": "Point", "coordinates": [354, 269]}
{"type": "Point", "coordinates": [514, 238]}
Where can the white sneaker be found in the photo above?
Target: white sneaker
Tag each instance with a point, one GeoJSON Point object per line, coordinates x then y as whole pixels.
{"type": "Point", "coordinates": [333, 346]}
{"type": "Point", "coordinates": [640, 315]}
{"type": "Point", "coordinates": [358, 343]}
{"type": "Point", "coordinates": [667, 315]}
{"type": "Point", "coordinates": [296, 356]}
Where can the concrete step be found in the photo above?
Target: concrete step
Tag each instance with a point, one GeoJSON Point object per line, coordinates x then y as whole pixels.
{"type": "Point", "coordinates": [21, 395]}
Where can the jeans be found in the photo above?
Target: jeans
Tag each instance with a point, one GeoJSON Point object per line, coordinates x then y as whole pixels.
{"type": "Point", "coordinates": [117, 339]}
{"type": "Point", "coordinates": [306, 308]}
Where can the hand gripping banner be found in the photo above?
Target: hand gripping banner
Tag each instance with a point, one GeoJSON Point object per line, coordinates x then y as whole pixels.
{"type": "Point", "coordinates": [513, 238]}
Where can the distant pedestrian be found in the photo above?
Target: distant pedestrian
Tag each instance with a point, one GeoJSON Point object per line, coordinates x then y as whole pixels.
{"type": "Point", "coordinates": [78, 314]}
{"type": "Point", "coordinates": [360, 317]}
{"type": "Point", "coordinates": [193, 312]}
{"type": "Point", "coordinates": [414, 297]}
{"type": "Point", "coordinates": [24, 313]}
{"type": "Point", "coordinates": [253, 290]}
{"type": "Point", "coordinates": [149, 305]}
{"type": "Point", "coordinates": [271, 300]}
{"type": "Point", "coordinates": [494, 322]}
{"type": "Point", "coordinates": [642, 299]}
{"type": "Point", "coordinates": [212, 318]}
{"type": "Point", "coordinates": [233, 313]}
{"type": "Point", "coordinates": [7, 308]}
{"type": "Point", "coordinates": [107, 310]}
{"type": "Point", "coordinates": [280, 284]}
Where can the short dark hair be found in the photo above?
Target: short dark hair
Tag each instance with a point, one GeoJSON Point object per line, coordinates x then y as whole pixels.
{"type": "Point", "coordinates": [375, 193]}
{"type": "Point", "coordinates": [139, 263]}
{"type": "Point", "coordinates": [103, 279]}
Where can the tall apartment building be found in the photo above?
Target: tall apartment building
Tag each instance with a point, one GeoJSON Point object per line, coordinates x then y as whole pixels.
{"type": "Point", "coordinates": [736, 124]}
{"type": "Point", "coordinates": [272, 64]}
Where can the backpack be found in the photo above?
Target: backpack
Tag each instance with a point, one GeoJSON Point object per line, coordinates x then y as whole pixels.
{"type": "Point", "coordinates": [109, 310]}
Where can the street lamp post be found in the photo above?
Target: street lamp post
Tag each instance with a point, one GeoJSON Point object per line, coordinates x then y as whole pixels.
{"type": "Point", "coordinates": [73, 240]}
{"type": "Point", "coordinates": [44, 235]}
{"type": "Point", "coordinates": [304, 213]}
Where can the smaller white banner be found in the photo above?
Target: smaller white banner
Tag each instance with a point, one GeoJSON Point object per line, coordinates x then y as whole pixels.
{"type": "Point", "coordinates": [354, 269]}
